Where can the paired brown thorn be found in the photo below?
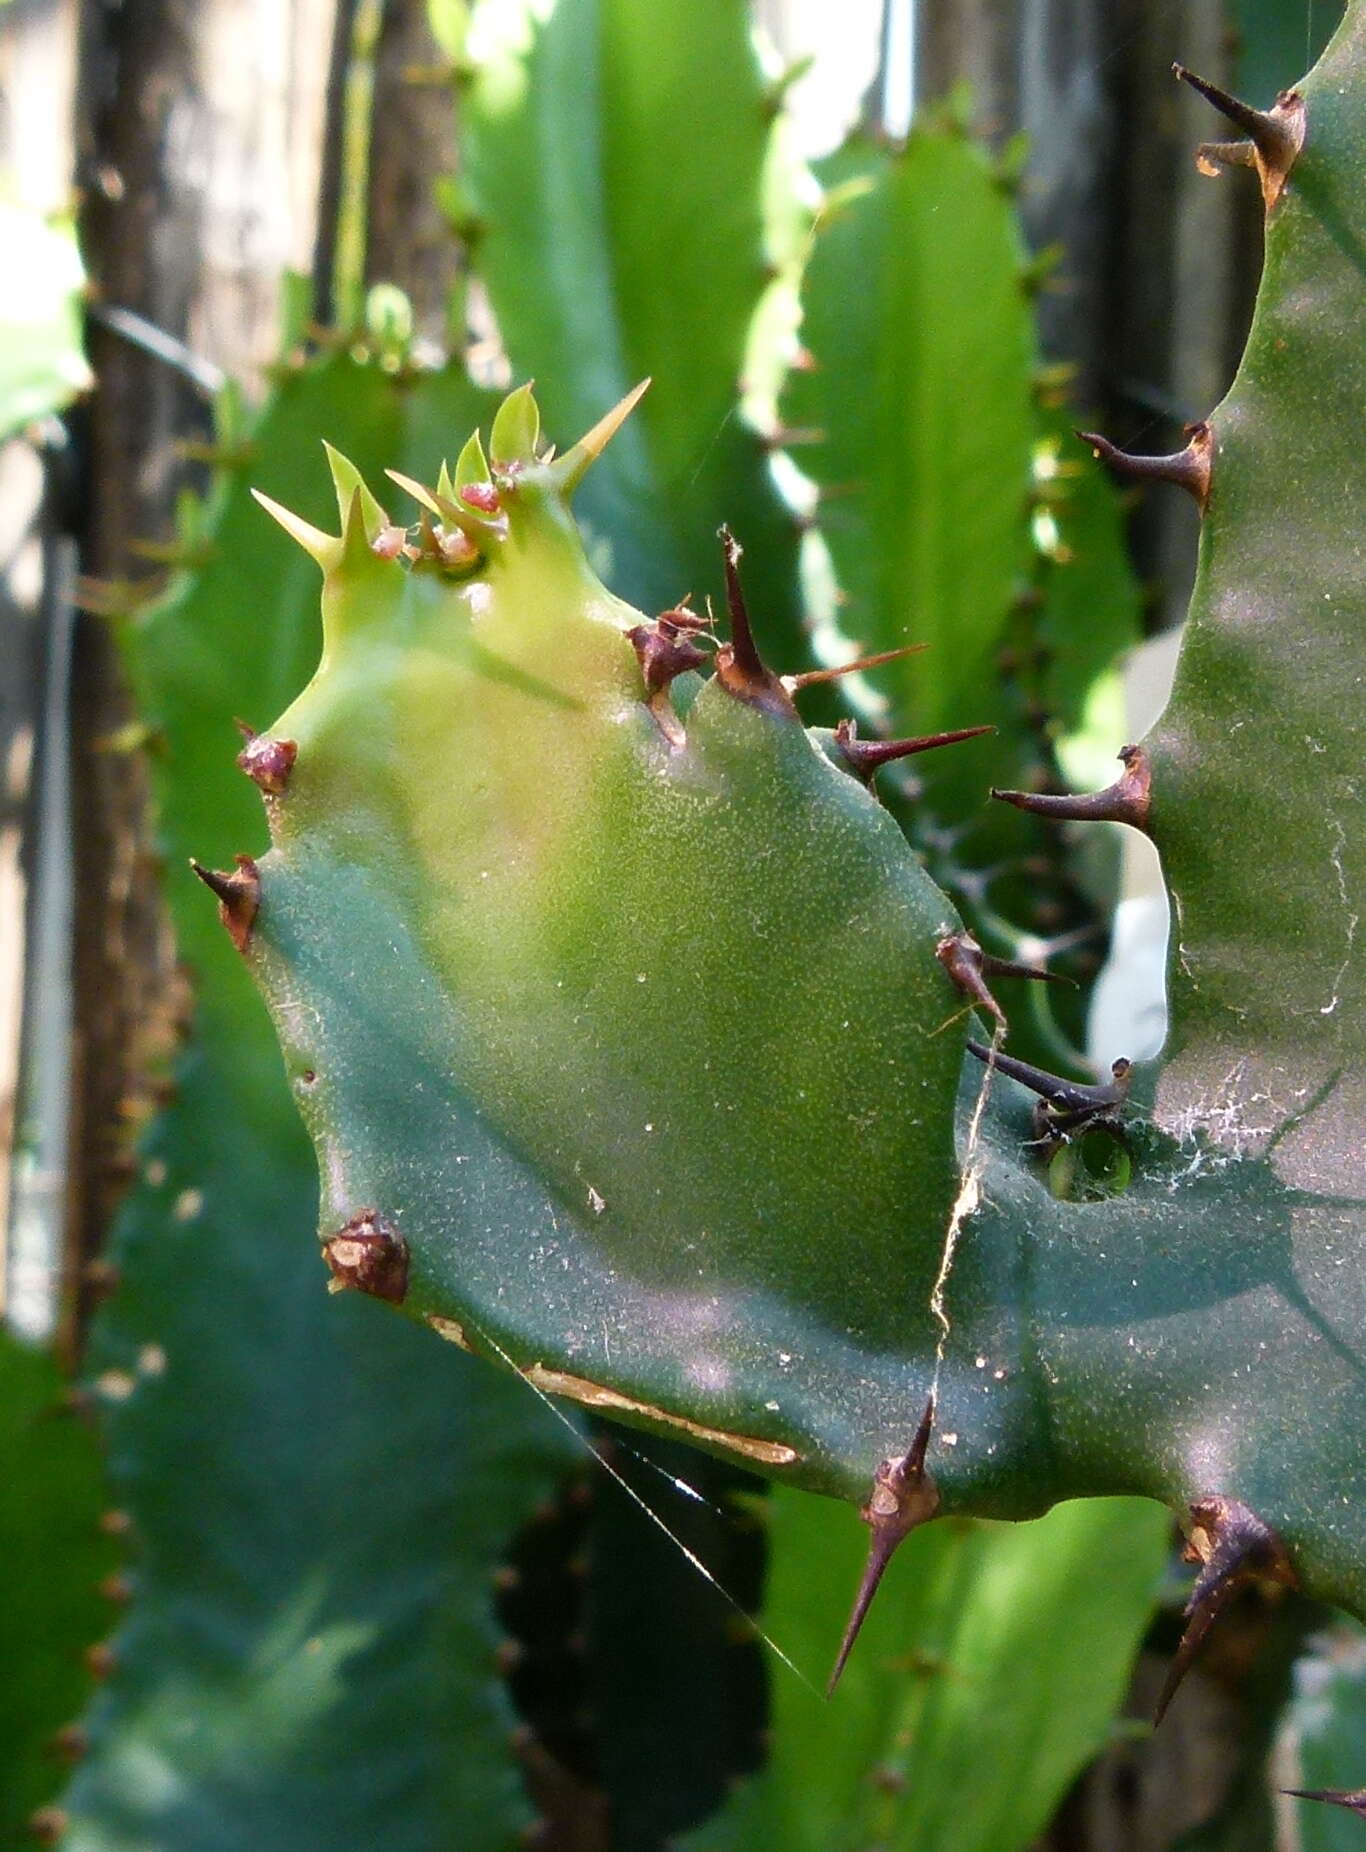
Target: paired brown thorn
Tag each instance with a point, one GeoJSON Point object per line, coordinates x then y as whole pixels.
{"type": "Point", "coordinates": [904, 1496]}
{"type": "Point", "coordinates": [266, 761]}
{"type": "Point", "coordinates": [809, 677]}
{"type": "Point", "coordinates": [970, 967]}
{"type": "Point", "coordinates": [665, 649]}
{"type": "Point", "coordinates": [740, 669]}
{"type": "Point", "coordinates": [1235, 1549]}
{"type": "Point", "coordinates": [665, 646]}
{"type": "Point", "coordinates": [1275, 136]}
{"type": "Point", "coordinates": [1064, 1105]}
{"type": "Point", "coordinates": [1188, 468]}
{"type": "Point", "coordinates": [1354, 1799]}
{"type": "Point", "coordinates": [866, 757]}
{"type": "Point", "coordinates": [239, 896]}
{"type": "Point", "coordinates": [368, 1255]}
{"type": "Point", "coordinates": [1125, 801]}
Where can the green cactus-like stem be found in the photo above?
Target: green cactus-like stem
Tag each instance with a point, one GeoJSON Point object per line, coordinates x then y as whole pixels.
{"type": "Point", "coordinates": [622, 1016]}
{"type": "Point", "coordinates": [597, 915]}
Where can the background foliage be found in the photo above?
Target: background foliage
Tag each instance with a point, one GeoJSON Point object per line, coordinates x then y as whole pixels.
{"type": "Point", "coordinates": [322, 1499]}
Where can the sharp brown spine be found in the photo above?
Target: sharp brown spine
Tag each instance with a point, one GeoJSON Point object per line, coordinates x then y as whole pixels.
{"type": "Point", "coordinates": [1275, 136]}
{"type": "Point", "coordinates": [740, 669]}
{"type": "Point", "coordinates": [1354, 1799]}
{"type": "Point", "coordinates": [239, 897]}
{"type": "Point", "coordinates": [1235, 1549]}
{"type": "Point", "coordinates": [969, 967]}
{"type": "Point", "coordinates": [1127, 800]}
{"type": "Point", "coordinates": [810, 676]}
{"type": "Point", "coordinates": [665, 650]}
{"type": "Point", "coordinates": [1189, 468]}
{"type": "Point", "coordinates": [904, 1496]}
{"type": "Point", "coordinates": [865, 758]}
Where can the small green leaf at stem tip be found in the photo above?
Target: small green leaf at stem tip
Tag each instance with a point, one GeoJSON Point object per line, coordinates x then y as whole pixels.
{"type": "Point", "coordinates": [348, 483]}
{"type": "Point", "coordinates": [471, 465]}
{"type": "Point", "coordinates": [516, 428]}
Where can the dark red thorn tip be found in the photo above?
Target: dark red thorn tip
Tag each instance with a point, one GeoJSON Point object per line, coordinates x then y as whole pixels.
{"type": "Point", "coordinates": [740, 668]}
{"type": "Point", "coordinates": [1276, 134]}
{"type": "Point", "coordinates": [368, 1255]}
{"type": "Point", "coordinates": [1352, 1798]}
{"type": "Point", "coordinates": [266, 761]}
{"type": "Point", "coordinates": [239, 897]}
{"type": "Point", "coordinates": [1235, 1549]}
{"type": "Point", "coordinates": [1127, 800]}
{"type": "Point", "coordinates": [1188, 468]}
{"type": "Point", "coordinates": [866, 757]}
{"type": "Point", "coordinates": [810, 676]}
{"type": "Point", "coordinates": [904, 1496]}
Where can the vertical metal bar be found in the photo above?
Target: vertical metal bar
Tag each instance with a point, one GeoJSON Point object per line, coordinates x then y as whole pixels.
{"type": "Point", "coordinates": [32, 1286]}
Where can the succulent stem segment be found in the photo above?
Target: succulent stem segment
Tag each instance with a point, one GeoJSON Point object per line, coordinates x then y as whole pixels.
{"type": "Point", "coordinates": [643, 1025]}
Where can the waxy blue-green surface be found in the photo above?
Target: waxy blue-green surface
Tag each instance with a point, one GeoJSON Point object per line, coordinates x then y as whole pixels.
{"type": "Point", "coordinates": [724, 951]}
{"type": "Point", "coordinates": [643, 1045]}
